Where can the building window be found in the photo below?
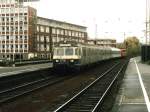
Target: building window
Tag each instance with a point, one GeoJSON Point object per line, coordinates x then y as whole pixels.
{"type": "Point", "coordinates": [3, 46]}
{"type": "Point", "coordinates": [21, 28]}
{"type": "Point", "coordinates": [53, 31]}
{"type": "Point", "coordinates": [54, 39]}
{"type": "Point", "coordinates": [69, 33]}
{"type": "Point", "coordinates": [73, 33]}
{"type": "Point", "coordinates": [47, 47]}
{"type": "Point", "coordinates": [58, 31]}
{"type": "Point", "coordinates": [7, 37]}
{"type": "Point", "coordinates": [21, 37]}
{"type": "Point", "coordinates": [21, 46]}
{"type": "Point", "coordinates": [7, 28]}
{"type": "Point", "coordinates": [25, 18]}
{"type": "Point", "coordinates": [11, 28]}
{"type": "Point", "coordinates": [42, 28]}
{"type": "Point", "coordinates": [16, 37]}
{"type": "Point", "coordinates": [62, 39]}
{"type": "Point", "coordinates": [62, 32]}
{"type": "Point", "coordinates": [25, 46]}
{"type": "Point", "coordinates": [82, 34]}
{"type": "Point", "coordinates": [7, 19]}
{"type": "Point", "coordinates": [42, 47]}
{"type": "Point", "coordinates": [16, 28]}
{"type": "Point", "coordinates": [25, 37]}
{"type": "Point", "coordinates": [66, 32]}
{"type": "Point", "coordinates": [7, 46]}
{"type": "Point", "coordinates": [11, 46]}
{"type": "Point", "coordinates": [38, 47]}
{"type": "Point", "coordinates": [16, 46]}
{"type": "Point", "coordinates": [42, 39]}
{"type": "Point", "coordinates": [12, 19]}
{"type": "Point", "coordinates": [38, 38]}
{"type": "Point", "coordinates": [3, 29]}
{"type": "Point", "coordinates": [3, 19]}
{"type": "Point", "coordinates": [47, 38]}
{"type": "Point", "coordinates": [76, 34]}
{"type": "Point", "coordinates": [38, 28]}
{"type": "Point", "coordinates": [47, 29]}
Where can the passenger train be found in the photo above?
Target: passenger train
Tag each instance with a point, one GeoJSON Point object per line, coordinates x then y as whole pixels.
{"type": "Point", "coordinates": [75, 55]}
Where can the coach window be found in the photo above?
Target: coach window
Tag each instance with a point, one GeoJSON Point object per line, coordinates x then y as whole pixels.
{"type": "Point", "coordinates": [77, 51]}
{"type": "Point", "coordinates": [84, 51]}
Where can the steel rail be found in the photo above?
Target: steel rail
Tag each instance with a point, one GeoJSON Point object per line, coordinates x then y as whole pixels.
{"type": "Point", "coordinates": [23, 85]}
{"type": "Point", "coordinates": [107, 90]}
{"type": "Point", "coordinates": [55, 81]}
{"type": "Point", "coordinates": [63, 106]}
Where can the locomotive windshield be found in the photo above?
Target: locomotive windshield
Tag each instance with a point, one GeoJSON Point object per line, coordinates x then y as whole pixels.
{"type": "Point", "coordinates": [69, 51]}
{"type": "Point", "coordinates": [59, 51]}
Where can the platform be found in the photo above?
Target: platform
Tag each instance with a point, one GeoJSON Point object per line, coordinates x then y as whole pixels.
{"type": "Point", "coordinates": [134, 93]}
{"type": "Point", "coordinates": [7, 71]}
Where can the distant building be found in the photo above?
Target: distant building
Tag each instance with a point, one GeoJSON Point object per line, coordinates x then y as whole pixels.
{"type": "Point", "coordinates": [17, 27]}
{"type": "Point", "coordinates": [51, 31]}
{"type": "Point", "coordinates": [24, 35]}
{"type": "Point", "coordinates": [106, 42]}
{"type": "Point", "coordinates": [91, 42]}
{"type": "Point", "coordinates": [102, 42]}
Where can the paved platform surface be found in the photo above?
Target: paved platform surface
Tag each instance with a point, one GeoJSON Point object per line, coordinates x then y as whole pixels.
{"type": "Point", "coordinates": [7, 71]}
{"type": "Point", "coordinates": [134, 93]}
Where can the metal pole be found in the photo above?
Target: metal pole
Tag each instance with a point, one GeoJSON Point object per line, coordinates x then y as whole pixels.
{"type": "Point", "coordinates": [148, 21]}
{"type": "Point", "coordinates": [124, 34]}
{"type": "Point", "coordinates": [146, 24]}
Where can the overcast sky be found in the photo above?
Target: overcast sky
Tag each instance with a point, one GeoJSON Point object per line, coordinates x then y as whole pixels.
{"type": "Point", "coordinates": [113, 17]}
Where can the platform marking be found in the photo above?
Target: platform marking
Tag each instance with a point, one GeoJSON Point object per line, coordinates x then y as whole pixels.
{"type": "Point", "coordinates": [133, 103]}
{"type": "Point", "coordinates": [143, 88]}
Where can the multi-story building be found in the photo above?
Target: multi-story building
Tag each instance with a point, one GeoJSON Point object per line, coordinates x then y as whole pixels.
{"type": "Point", "coordinates": [91, 41]}
{"type": "Point", "coordinates": [102, 42]}
{"type": "Point", "coordinates": [51, 31]}
{"type": "Point", "coordinates": [106, 42]}
{"type": "Point", "coordinates": [17, 25]}
{"type": "Point", "coordinates": [23, 35]}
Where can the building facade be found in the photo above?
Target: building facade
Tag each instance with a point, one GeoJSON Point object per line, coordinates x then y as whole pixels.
{"type": "Point", "coordinates": [49, 32]}
{"type": "Point", "coordinates": [102, 42]}
{"type": "Point", "coordinates": [17, 24]}
{"type": "Point", "coordinates": [24, 35]}
{"type": "Point", "coordinates": [106, 42]}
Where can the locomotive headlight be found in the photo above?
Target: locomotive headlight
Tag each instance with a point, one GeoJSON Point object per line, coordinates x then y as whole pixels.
{"type": "Point", "coordinates": [71, 60]}
{"type": "Point", "coordinates": [57, 60]}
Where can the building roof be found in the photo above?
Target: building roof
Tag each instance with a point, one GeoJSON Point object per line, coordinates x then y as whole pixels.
{"type": "Point", "coordinates": [27, 0]}
{"type": "Point", "coordinates": [62, 22]}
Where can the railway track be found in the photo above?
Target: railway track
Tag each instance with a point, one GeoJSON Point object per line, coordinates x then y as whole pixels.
{"type": "Point", "coordinates": [91, 97]}
{"type": "Point", "coordinates": [10, 94]}
{"type": "Point", "coordinates": [20, 90]}
{"type": "Point", "coordinates": [20, 79]}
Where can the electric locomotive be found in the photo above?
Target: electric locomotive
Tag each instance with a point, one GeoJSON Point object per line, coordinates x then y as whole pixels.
{"type": "Point", "coordinates": [75, 55]}
{"type": "Point", "coordinates": [66, 55]}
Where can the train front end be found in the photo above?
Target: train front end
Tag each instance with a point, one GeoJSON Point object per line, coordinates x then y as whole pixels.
{"type": "Point", "coordinates": [66, 56]}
